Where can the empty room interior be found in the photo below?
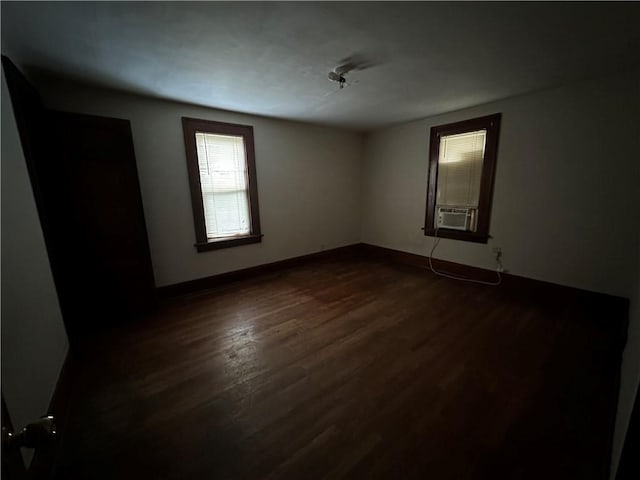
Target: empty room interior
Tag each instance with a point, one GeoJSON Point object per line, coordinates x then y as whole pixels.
{"type": "Point", "coordinates": [320, 240]}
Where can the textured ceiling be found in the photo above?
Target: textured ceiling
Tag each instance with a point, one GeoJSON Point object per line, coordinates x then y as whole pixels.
{"type": "Point", "coordinates": [273, 58]}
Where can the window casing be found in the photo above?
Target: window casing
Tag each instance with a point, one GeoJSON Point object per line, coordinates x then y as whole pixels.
{"type": "Point", "coordinates": [462, 161]}
{"type": "Point", "coordinates": [222, 178]}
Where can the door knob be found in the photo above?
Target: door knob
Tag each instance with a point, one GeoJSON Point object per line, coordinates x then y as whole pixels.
{"type": "Point", "coordinates": [35, 434]}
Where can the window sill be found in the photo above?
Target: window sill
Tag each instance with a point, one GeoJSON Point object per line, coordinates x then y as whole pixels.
{"type": "Point", "coordinates": [475, 237]}
{"type": "Point", "coordinates": [228, 243]}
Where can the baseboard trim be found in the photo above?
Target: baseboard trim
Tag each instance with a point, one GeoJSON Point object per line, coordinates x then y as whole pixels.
{"type": "Point", "coordinates": [614, 304]}
{"type": "Point", "coordinates": [444, 266]}
{"type": "Point", "coordinates": [509, 280]}
{"type": "Point", "coordinates": [213, 281]}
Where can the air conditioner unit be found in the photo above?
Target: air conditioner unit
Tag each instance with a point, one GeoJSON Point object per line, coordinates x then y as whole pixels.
{"type": "Point", "coordinates": [454, 218]}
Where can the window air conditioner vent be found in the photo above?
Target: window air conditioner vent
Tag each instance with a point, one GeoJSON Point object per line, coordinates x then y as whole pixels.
{"type": "Point", "coordinates": [454, 218]}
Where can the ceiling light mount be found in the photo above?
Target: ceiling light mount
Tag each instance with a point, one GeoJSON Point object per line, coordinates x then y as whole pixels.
{"type": "Point", "coordinates": [354, 62]}
{"type": "Point", "coordinates": [334, 76]}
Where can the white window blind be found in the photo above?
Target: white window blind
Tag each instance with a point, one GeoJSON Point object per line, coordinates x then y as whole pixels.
{"type": "Point", "coordinates": [223, 180]}
{"type": "Point", "coordinates": [460, 169]}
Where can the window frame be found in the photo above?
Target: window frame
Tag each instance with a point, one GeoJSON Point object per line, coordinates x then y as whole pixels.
{"type": "Point", "coordinates": [490, 123]}
{"type": "Point", "coordinates": [190, 127]}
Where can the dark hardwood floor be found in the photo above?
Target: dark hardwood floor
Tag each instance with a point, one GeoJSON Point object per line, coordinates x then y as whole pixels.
{"type": "Point", "coordinates": [351, 369]}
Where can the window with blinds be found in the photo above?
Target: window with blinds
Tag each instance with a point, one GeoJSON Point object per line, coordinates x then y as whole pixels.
{"type": "Point", "coordinates": [461, 170]}
{"type": "Point", "coordinates": [222, 177]}
{"type": "Point", "coordinates": [223, 180]}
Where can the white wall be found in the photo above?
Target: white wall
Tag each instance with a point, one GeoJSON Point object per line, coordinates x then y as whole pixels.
{"type": "Point", "coordinates": [34, 343]}
{"type": "Point", "coordinates": [566, 190]}
{"type": "Point", "coordinates": [308, 181]}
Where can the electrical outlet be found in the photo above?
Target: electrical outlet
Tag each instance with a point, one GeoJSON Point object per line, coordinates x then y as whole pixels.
{"type": "Point", "coordinates": [497, 253]}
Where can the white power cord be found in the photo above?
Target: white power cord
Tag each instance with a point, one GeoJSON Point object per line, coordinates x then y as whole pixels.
{"type": "Point", "coordinates": [436, 241]}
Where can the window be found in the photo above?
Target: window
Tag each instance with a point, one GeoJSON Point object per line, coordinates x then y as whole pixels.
{"type": "Point", "coordinates": [462, 162]}
{"type": "Point", "coordinates": [222, 176]}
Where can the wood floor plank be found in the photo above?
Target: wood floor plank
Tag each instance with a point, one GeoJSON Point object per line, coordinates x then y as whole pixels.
{"type": "Point", "coordinates": [350, 369]}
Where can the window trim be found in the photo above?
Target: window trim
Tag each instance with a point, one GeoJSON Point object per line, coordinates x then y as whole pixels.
{"type": "Point", "coordinates": [190, 127]}
{"type": "Point", "coordinates": [492, 125]}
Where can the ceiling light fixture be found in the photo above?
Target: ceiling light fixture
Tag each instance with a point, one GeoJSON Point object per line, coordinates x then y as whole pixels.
{"type": "Point", "coordinates": [357, 61]}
